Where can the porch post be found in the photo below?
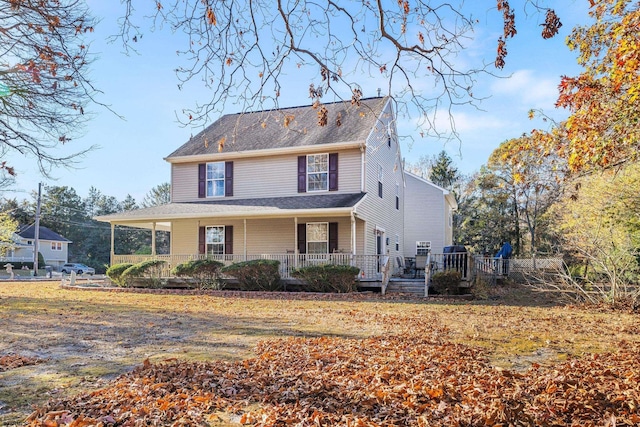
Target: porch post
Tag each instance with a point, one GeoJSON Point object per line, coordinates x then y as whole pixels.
{"type": "Point", "coordinates": [153, 238]}
{"type": "Point", "coordinates": [353, 234]}
{"type": "Point", "coordinates": [245, 238]}
{"type": "Point", "coordinates": [295, 241]}
{"type": "Point", "coordinates": [112, 253]}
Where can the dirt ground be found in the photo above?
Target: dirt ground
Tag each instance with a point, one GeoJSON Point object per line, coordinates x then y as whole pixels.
{"type": "Point", "coordinates": [82, 339]}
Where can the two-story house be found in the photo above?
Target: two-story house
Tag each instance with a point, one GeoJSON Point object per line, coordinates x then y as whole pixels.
{"type": "Point", "coordinates": [276, 184]}
{"type": "Point", "coordinates": [53, 247]}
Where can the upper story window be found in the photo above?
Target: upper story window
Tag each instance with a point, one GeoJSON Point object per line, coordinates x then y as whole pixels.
{"type": "Point", "coordinates": [56, 246]}
{"type": "Point", "coordinates": [215, 179]}
{"type": "Point", "coordinates": [29, 242]}
{"type": "Point", "coordinates": [397, 196]}
{"type": "Point", "coordinates": [215, 240]}
{"type": "Point", "coordinates": [380, 177]}
{"type": "Point", "coordinates": [318, 172]}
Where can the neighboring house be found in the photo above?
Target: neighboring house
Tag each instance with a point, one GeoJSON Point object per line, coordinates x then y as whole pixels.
{"type": "Point", "coordinates": [428, 220]}
{"type": "Point", "coordinates": [53, 247]}
{"type": "Point", "coordinates": [275, 184]}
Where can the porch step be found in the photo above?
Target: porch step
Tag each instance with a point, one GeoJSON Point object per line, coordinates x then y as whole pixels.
{"type": "Point", "coordinates": [406, 286]}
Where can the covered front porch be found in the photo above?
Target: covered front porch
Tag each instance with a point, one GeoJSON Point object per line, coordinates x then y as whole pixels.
{"type": "Point", "coordinates": [372, 267]}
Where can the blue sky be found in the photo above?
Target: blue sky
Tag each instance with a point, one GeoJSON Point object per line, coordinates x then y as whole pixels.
{"type": "Point", "coordinates": [142, 88]}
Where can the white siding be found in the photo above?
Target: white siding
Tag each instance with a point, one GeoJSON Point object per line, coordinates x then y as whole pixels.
{"type": "Point", "coordinates": [381, 213]}
{"type": "Point", "coordinates": [426, 216]}
{"type": "Point", "coordinates": [272, 176]}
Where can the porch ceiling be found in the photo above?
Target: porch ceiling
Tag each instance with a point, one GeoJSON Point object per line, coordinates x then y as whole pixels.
{"type": "Point", "coordinates": [304, 205]}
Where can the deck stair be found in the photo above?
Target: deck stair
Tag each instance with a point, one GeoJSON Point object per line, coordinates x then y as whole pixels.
{"type": "Point", "coordinates": [408, 286]}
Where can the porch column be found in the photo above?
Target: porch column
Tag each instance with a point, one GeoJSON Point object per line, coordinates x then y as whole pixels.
{"type": "Point", "coordinates": [295, 241]}
{"type": "Point", "coordinates": [153, 238]}
{"type": "Point", "coordinates": [353, 234]}
{"type": "Point", "coordinates": [245, 238]}
{"type": "Point", "coordinates": [112, 253]}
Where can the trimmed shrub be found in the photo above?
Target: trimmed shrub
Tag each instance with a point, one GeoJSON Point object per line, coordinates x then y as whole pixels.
{"type": "Point", "coordinates": [328, 278]}
{"type": "Point", "coordinates": [115, 272]}
{"type": "Point", "coordinates": [446, 282]}
{"type": "Point", "coordinates": [205, 272]}
{"type": "Point", "coordinates": [150, 271]}
{"type": "Point", "coordinates": [256, 275]}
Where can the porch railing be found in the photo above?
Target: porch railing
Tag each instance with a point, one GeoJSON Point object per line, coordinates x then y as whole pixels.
{"type": "Point", "coordinates": [371, 266]}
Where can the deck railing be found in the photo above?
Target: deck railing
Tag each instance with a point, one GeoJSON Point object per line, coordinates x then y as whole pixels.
{"type": "Point", "coordinates": [370, 265]}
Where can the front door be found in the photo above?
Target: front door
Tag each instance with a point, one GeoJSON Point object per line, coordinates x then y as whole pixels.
{"type": "Point", "coordinates": [380, 248]}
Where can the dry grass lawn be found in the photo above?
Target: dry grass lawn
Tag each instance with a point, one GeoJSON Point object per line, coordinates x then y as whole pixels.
{"type": "Point", "coordinates": [83, 339]}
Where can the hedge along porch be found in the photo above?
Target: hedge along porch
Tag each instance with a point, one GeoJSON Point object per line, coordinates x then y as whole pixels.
{"type": "Point", "coordinates": [296, 233]}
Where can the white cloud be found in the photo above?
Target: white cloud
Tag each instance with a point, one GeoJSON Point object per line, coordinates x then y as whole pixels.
{"type": "Point", "coordinates": [531, 90]}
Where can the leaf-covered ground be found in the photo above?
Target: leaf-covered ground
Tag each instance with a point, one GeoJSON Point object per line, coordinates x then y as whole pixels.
{"type": "Point", "coordinates": [415, 378]}
{"type": "Point", "coordinates": [224, 358]}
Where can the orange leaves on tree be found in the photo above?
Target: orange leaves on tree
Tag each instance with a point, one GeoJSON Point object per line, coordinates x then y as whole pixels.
{"type": "Point", "coordinates": [211, 17]}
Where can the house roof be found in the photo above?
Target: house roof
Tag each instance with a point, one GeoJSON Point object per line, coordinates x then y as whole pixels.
{"type": "Point", "coordinates": [267, 130]}
{"type": "Point", "coordinates": [269, 206]}
{"type": "Point", "coordinates": [28, 232]}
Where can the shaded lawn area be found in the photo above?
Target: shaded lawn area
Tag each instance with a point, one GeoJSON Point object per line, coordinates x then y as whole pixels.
{"type": "Point", "coordinates": [226, 358]}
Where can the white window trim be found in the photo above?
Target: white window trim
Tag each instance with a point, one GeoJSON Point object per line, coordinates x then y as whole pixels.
{"type": "Point", "coordinates": [421, 245]}
{"type": "Point", "coordinates": [56, 246]}
{"type": "Point", "coordinates": [207, 180]}
{"type": "Point", "coordinates": [308, 240]}
{"type": "Point", "coordinates": [316, 173]}
{"type": "Point", "coordinates": [206, 239]}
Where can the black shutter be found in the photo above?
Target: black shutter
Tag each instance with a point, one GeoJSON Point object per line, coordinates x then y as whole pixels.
{"type": "Point", "coordinates": [379, 189]}
{"type": "Point", "coordinates": [302, 238]}
{"type": "Point", "coordinates": [202, 247]}
{"type": "Point", "coordinates": [228, 239]}
{"type": "Point", "coordinates": [302, 174]}
{"type": "Point", "coordinates": [333, 171]}
{"type": "Point", "coordinates": [202, 180]}
{"type": "Point", "coordinates": [333, 237]}
{"type": "Point", "coordinates": [228, 179]}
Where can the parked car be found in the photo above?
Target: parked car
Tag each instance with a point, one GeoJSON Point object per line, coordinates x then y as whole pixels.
{"type": "Point", "coordinates": [78, 268]}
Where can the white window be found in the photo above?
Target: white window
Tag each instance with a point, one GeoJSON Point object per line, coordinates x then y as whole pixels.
{"type": "Point", "coordinates": [318, 172]}
{"type": "Point", "coordinates": [56, 246]}
{"type": "Point", "coordinates": [317, 237]}
{"type": "Point", "coordinates": [423, 248]}
{"type": "Point", "coordinates": [380, 177]}
{"type": "Point", "coordinates": [397, 242]}
{"type": "Point", "coordinates": [215, 179]}
{"type": "Point", "coordinates": [215, 240]}
{"type": "Point", "coordinates": [397, 196]}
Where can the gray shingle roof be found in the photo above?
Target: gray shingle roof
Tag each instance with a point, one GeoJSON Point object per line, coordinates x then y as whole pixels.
{"type": "Point", "coordinates": [266, 129]}
{"type": "Point", "coordinates": [269, 205]}
{"type": "Point", "coordinates": [28, 232]}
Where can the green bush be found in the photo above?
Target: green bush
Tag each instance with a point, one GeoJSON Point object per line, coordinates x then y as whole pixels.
{"type": "Point", "coordinates": [328, 278]}
{"type": "Point", "coordinates": [256, 275]}
{"type": "Point", "coordinates": [446, 282]}
{"type": "Point", "coordinates": [150, 270]}
{"type": "Point", "coordinates": [115, 272]}
{"type": "Point", "coordinates": [206, 272]}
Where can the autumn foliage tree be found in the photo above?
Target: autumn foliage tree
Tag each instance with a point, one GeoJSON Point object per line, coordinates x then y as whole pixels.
{"type": "Point", "coordinates": [532, 177]}
{"type": "Point", "coordinates": [44, 86]}
{"type": "Point", "coordinates": [603, 129]}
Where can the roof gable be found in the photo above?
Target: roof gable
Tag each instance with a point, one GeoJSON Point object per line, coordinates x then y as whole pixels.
{"type": "Point", "coordinates": [28, 232]}
{"type": "Point", "coordinates": [285, 128]}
